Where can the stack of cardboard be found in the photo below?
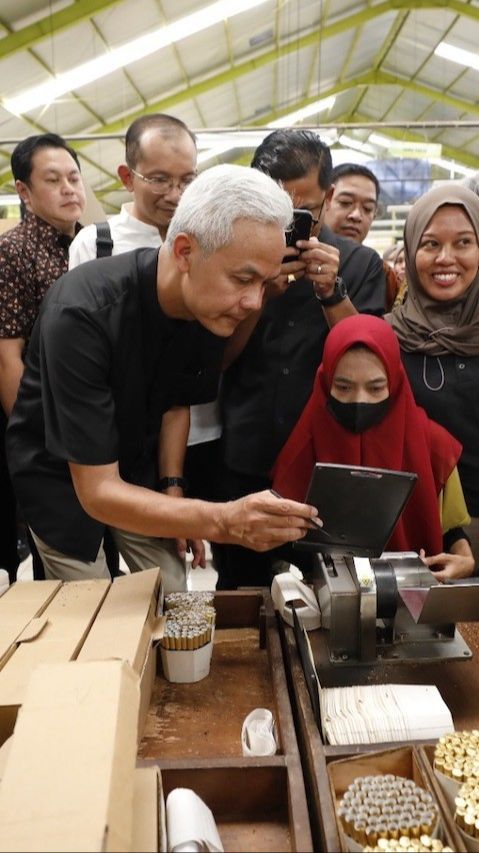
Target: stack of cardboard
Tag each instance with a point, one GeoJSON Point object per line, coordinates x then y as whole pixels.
{"type": "Point", "coordinates": [69, 781]}
{"type": "Point", "coordinates": [77, 665]}
{"type": "Point", "coordinates": [51, 622]}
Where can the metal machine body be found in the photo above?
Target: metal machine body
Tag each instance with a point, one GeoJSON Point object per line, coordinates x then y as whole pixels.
{"type": "Point", "coordinates": [391, 610]}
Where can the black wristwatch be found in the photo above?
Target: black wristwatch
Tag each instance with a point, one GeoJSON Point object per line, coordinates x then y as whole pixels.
{"type": "Point", "coordinates": [166, 482]}
{"type": "Point", "coordinates": [339, 293]}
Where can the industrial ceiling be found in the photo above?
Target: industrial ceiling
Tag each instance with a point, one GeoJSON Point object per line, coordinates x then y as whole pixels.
{"type": "Point", "coordinates": [373, 76]}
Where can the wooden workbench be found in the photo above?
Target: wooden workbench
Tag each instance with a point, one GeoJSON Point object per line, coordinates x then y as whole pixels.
{"type": "Point", "coordinates": [193, 732]}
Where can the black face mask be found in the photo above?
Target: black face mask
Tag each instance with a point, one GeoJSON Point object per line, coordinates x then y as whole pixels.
{"type": "Point", "coordinates": [357, 417]}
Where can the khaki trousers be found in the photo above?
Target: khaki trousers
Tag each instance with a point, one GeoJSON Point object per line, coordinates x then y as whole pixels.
{"type": "Point", "coordinates": [139, 553]}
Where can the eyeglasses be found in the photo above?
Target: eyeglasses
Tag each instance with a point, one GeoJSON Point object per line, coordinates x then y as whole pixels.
{"type": "Point", "coordinates": [162, 184]}
{"type": "Point", "coordinates": [315, 219]}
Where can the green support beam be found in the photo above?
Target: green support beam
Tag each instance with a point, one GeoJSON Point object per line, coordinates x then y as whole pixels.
{"type": "Point", "coordinates": [51, 24]}
{"type": "Point", "coordinates": [465, 158]}
{"type": "Point", "coordinates": [82, 9]}
{"type": "Point", "coordinates": [229, 75]}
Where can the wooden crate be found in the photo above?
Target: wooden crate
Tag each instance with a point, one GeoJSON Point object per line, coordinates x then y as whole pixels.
{"type": "Point", "coordinates": [403, 761]}
{"type": "Point", "coordinates": [193, 732]}
{"type": "Point", "coordinates": [458, 683]}
{"type": "Point", "coordinates": [426, 753]}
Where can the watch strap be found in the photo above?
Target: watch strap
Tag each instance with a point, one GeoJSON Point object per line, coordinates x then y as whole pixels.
{"type": "Point", "coordinates": [339, 293]}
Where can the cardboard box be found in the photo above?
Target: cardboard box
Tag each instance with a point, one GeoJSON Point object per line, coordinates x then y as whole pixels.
{"type": "Point", "coordinates": [47, 621]}
{"type": "Point", "coordinates": [401, 761]}
{"type": "Point", "coordinates": [19, 605]}
{"type": "Point", "coordinates": [71, 788]}
{"type": "Point", "coordinates": [127, 627]}
{"type": "Point", "coordinates": [55, 636]}
{"type": "Point", "coordinates": [149, 825]}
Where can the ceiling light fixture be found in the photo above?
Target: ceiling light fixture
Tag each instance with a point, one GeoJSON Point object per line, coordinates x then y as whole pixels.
{"type": "Point", "coordinates": [124, 55]}
{"type": "Point", "coordinates": [457, 54]}
{"type": "Point", "coordinates": [251, 139]}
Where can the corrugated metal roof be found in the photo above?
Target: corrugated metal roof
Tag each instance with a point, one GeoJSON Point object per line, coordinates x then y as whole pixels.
{"type": "Point", "coordinates": [249, 69]}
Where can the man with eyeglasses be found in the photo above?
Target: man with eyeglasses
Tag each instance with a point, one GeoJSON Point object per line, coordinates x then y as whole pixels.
{"type": "Point", "coordinates": [274, 355]}
{"type": "Point", "coordinates": [351, 209]}
{"type": "Point", "coordinates": [160, 154]}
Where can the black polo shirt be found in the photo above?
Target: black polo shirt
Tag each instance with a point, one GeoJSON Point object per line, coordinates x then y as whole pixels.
{"type": "Point", "coordinates": [265, 390]}
{"type": "Point", "coordinates": [103, 365]}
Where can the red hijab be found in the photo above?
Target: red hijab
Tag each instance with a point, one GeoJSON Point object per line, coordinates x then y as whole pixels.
{"type": "Point", "coordinates": [405, 440]}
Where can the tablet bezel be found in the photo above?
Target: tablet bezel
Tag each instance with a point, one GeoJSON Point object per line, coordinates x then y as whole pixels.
{"type": "Point", "coordinates": [359, 506]}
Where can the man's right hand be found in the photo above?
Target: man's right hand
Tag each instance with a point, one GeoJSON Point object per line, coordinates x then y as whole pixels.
{"type": "Point", "coordinates": [262, 521]}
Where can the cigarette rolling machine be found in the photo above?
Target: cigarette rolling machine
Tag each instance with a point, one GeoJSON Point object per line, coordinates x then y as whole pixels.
{"type": "Point", "coordinates": [376, 606]}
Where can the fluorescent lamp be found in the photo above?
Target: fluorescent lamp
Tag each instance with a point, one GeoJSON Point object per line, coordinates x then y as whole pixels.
{"type": "Point", "coordinates": [130, 52]}
{"type": "Point", "coordinates": [457, 54]}
{"type": "Point", "coordinates": [349, 142]}
{"type": "Point", "coordinates": [382, 141]}
{"type": "Point", "coordinates": [213, 152]}
{"type": "Point", "coordinates": [245, 139]}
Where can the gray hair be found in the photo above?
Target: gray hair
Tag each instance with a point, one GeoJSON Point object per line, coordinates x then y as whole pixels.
{"type": "Point", "coordinates": [213, 202]}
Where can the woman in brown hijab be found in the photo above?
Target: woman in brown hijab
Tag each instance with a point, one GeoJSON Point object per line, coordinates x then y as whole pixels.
{"type": "Point", "coordinates": [438, 325]}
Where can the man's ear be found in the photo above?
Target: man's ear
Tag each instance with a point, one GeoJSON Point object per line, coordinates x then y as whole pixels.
{"type": "Point", "coordinates": [182, 249]}
{"type": "Point", "coordinates": [125, 177]}
{"type": "Point", "coordinates": [329, 196]}
{"type": "Point", "coordinates": [23, 191]}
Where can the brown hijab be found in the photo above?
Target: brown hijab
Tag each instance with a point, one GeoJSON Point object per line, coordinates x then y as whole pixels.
{"type": "Point", "coordinates": [422, 324]}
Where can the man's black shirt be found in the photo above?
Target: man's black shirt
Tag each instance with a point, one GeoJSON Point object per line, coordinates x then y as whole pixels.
{"type": "Point", "coordinates": [103, 365]}
{"type": "Point", "coordinates": [265, 390]}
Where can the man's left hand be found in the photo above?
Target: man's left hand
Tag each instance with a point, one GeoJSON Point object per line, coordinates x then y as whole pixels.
{"type": "Point", "coordinates": [322, 265]}
{"type": "Point", "coordinates": [195, 547]}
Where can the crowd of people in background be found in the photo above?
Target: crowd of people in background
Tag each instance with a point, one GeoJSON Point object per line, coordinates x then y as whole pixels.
{"type": "Point", "coordinates": [161, 370]}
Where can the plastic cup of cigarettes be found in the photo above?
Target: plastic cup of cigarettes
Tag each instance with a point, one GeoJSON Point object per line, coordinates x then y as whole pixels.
{"type": "Point", "coordinates": [187, 643]}
{"type": "Point", "coordinates": [388, 812]}
{"type": "Point", "coordinates": [456, 765]}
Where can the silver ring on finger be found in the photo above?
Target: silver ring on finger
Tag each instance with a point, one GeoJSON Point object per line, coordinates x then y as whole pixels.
{"type": "Point", "coordinates": [318, 271]}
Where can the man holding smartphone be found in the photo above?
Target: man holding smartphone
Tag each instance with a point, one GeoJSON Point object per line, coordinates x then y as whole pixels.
{"type": "Point", "coordinates": [273, 356]}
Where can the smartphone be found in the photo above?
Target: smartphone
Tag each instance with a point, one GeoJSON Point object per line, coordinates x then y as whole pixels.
{"type": "Point", "coordinates": [301, 230]}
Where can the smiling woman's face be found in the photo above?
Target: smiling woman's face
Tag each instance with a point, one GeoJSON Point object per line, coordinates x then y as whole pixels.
{"type": "Point", "coordinates": [447, 259]}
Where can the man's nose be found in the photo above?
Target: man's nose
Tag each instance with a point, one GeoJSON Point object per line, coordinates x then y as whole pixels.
{"type": "Point", "coordinates": [67, 187]}
{"type": "Point", "coordinates": [356, 212]}
{"type": "Point", "coordinates": [174, 192]}
{"type": "Point", "coordinates": [253, 299]}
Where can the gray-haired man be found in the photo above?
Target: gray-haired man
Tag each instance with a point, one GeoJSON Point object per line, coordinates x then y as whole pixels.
{"type": "Point", "coordinates": [112, 352]}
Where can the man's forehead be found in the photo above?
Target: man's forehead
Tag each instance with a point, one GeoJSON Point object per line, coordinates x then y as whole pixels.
{"type": "Point", "coordinates": [53, 158]}
{"type": "Point", "coordinates": [155, 144]}
{"type": "Point", "coordinates": [355, 185]}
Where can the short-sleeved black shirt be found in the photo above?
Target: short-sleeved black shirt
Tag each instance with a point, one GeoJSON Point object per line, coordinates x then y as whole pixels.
{"type": "Point", "coordinates": [103, 365]}
{"type": "Point", "coordinates": [265, 390]}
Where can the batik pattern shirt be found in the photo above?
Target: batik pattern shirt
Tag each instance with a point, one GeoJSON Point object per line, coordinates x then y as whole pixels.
{"type": "Point", "coordinates": [33, 255]}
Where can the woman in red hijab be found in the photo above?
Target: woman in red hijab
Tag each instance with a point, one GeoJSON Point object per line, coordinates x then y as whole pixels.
{"type": "Point", "coordinates": [362, 412]}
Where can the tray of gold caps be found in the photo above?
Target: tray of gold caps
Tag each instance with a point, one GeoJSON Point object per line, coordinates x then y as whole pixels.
{"type": "Point", "coordinates": [388, 812]}
{"type": "Point", "coordinates": [456, 767]}
{"type": "Point", "coordinates": [187, 642]}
